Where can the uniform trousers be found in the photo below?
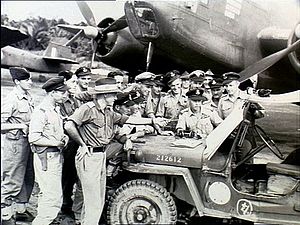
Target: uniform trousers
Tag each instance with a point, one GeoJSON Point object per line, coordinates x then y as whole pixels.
{"type": "Point", "coordinates": [69, 178]}
{"type": "Point", "coordinates": [50, 197]}
{"type": "Point", "coordinates": [17, 171]}
{"type": "Point", "coordinates": [91, 171]}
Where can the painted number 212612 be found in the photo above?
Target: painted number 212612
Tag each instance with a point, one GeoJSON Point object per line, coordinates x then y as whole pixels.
{"type": "Point", "coordinates": [167, 158]}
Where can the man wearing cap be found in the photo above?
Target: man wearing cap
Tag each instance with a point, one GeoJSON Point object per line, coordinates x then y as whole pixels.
{"type": "Point", "coordinates": [208, 77]}
{"type": "Point", "coordinates": [18, 179]}
{"type": "Point", "coordinates": [196, 81]}
{"type": "Point", "coordinates": [227, 102]}
{"type": "Point", "coordinates": [84, 78]}
{"type": "Point", "coordinates": [69, 175]}
{"type": "Point", "coordinates": [231, 86]}
{"type": "Point", "coordinates": [47, 138]}
{"type": "Point", "coordinates": [197, 119]}
{"type": "Point", "coordinates": [119, 76]}
{"type": "Point", "coordinates": [92, 126]}
{"type": "Point", "coordinates": [213, 93]}
{"type": "Point", "coordinates": [185, 77]}
{"type": "Point", "coordinates": [173, 103]}
{"type": "Point", "coordinates": [144, 82]}
{"type": "Point", "coordinates": [154, 96]}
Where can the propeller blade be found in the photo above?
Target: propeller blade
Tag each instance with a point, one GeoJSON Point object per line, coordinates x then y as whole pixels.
{"type": "Point", "coordinates": [87, 13]}
{"type": "Point", "coordinates": [266, 62]}
{"type": "Point", "coordinates": [119, 24]}
{"type": "Point", "coordinates": [74, 38]}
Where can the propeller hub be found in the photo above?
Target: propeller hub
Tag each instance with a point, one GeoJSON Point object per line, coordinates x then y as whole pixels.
{"type": "Point", "coordinates": [90, 32]}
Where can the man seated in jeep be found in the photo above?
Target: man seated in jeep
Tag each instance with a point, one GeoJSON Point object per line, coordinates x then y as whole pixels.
{"type": "Point", "coordinates": [199, 120]}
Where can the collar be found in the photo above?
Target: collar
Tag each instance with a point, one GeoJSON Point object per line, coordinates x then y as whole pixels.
{"type": "Point", "coordinates": [21, 95]}
{"type": "Point", "coordinates": [46, 104]}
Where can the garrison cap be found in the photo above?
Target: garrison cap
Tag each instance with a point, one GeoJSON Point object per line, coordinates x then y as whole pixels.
{"type": "Point", "coordinates": [55, 83]}
{"type": "Point", "coordinates": [144, 77]}
{"type": "Point", "coordinates": [115, 73]}
{"type": "Point", "coordinates": [104, 85]}
{"type": "Point", "coordinates": [19, 73]}
{"type": "Point", "coordinates": [122, 98]}
{"type": "Point", "coordinates": [198, 73]}
{"type": "Point", "coordinates": [135, 96]}
{"type": "Point", "coordinates": [196, 95]}
{"type": "Point", "coordinates": [209, 73]}
{"type": "Point", "coordinates": [217, 83]}
{"type": "Point", "coordinates": [229, 77]}
{"type": "Point", "coordinates": [195, 78]}
{"type": "Point", "coordinates": [67, 74]}
{"type": "Point", "coordinates": [83, 71]}
{"type": "Point", "coordinates": [158, 80]}
{"type": "Point", "coordinates": [171, 77]}
{"type": "Point", "coordinates": [185, 76]}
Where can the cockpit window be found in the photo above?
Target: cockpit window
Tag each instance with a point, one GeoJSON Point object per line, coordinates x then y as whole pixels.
{"type": "Point", "coordinates": [147, 22]}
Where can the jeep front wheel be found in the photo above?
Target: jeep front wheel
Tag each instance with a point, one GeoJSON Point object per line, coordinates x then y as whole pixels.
{"type": "Point", "coordinates": [141, 202]}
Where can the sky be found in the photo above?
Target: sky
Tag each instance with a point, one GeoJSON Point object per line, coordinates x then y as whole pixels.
{"type": "Point", "coordinates": [68, 10]}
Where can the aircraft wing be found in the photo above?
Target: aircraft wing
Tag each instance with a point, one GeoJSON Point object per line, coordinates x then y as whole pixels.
{"type": "Point", "coordinates": [10, 35]}
{"type": "Point", "coordinates": [59, 60]}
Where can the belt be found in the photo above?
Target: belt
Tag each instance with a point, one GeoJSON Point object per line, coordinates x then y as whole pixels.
{"type": "Point", "coordinates": [98, 149]}
{"type": "Point", "coordinates": [52, 149]}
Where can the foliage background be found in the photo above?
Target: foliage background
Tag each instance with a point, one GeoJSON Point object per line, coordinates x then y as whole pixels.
{"type": "Point", "coordinates": [41, 31]}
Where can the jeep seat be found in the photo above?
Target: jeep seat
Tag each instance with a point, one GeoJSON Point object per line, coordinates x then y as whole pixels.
{"type": "Point", "coordinates": [284, 169]}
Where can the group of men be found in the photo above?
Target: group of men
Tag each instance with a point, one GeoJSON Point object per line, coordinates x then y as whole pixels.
{"type": "Point", "coordinates": [69, 137]}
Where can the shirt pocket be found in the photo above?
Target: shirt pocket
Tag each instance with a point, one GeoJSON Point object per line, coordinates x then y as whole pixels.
{"type": "Point", "coordinates": [24, 111]}
{"type": "Point", "coordinates": [99, 127]}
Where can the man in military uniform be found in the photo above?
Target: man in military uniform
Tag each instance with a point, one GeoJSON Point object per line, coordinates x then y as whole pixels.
{"type": "Point", "coordinates": [119, 77]}
{"type": "Point", "coordinates": [186, 82]}
{"type": "Point", "coordinates": [208, 77]}
{"type": "Point", "coordinates": [197, 119]}
{"type": "Point", "coordinates": [173, 103]}
{"type": "Point", "coordinates": [226, 105]}
{"type": "Point", "coordinates": [144, 83]}
{"type": "Point", "coordinates": [17, 167]}
{"type": "Point", "coordinates": [84, 78]}
{"type": "Point", "coordinates": [92, 126]}
{"type": "Point", "coordinates": [231, 86]}
{"type": "Point", "coordinates": [154, 96]}
{"type": "Point", "coordinates": [46, 135]}
{"type": "Point", "coordinates": [196, 81]}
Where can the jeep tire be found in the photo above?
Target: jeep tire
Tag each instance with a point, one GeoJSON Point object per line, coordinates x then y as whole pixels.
{"type": "Point", "coordinates": [141, 202]}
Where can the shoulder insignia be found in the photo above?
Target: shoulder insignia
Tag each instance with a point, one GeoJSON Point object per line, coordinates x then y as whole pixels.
{"type": "Point", "coordinates": [90, 104]}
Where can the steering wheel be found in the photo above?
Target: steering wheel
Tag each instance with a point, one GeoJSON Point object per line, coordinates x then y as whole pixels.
{"type": "Point", "coordinates": [268, 142]}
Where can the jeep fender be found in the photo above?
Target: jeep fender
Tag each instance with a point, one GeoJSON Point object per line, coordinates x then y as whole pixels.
{"type": "Point", "coordinates": [177, 171]}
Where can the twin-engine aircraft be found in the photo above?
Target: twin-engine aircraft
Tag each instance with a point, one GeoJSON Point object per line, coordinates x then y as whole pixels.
{"type": "Point", "coordinates": [55, 58]}
{"type": "Point", "coordinates": [221, 35]}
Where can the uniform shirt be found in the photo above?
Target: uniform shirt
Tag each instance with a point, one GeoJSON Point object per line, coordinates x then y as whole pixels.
{"type": "Point", "coordinates": [152, 104]}
{"type": "Point", "coordinates": [211, 105]}
{"type": "Point", "coordinates": [170, 106]}
{"type": "Point", "coordinates": [226, 103]}
{"type": "Point", "coordinates": [68, 107]}
{"type": "Point", "coordinates": [201, 123]}
{"type": "Point", "coordinates": [17, 108]}
{"type": "Point", "coordinates": [46, 123]}
{"type": "Point", "coordinates": [96, 126]}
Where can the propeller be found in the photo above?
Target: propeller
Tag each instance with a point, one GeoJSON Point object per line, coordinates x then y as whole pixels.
{"type": "Point", "coordinates": [267, 62]}
{"type": "Point", "coordinates": [97, 34]}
